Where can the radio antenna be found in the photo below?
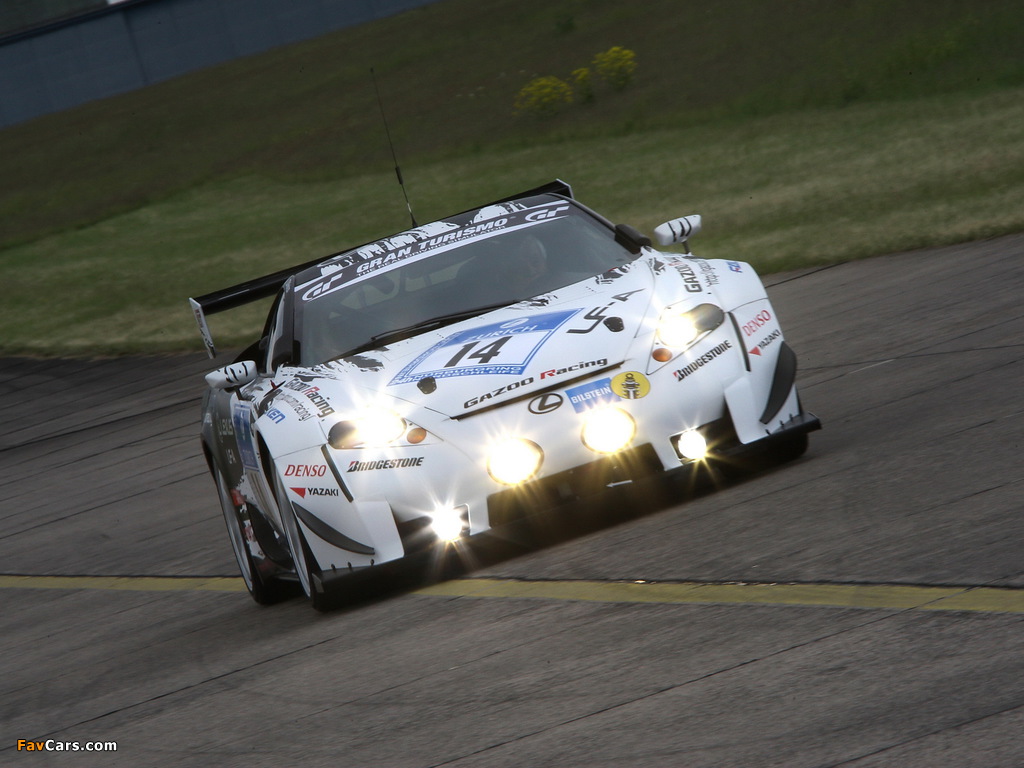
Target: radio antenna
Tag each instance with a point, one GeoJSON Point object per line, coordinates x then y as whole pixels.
{"type": "Point", "coordinates": [391, 144]}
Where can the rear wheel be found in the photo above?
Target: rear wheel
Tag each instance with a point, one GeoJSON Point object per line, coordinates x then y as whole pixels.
{"type": "Point", "coordinates": [264, 590]}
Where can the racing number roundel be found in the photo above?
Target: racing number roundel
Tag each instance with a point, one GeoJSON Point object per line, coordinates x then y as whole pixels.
{"type": "Point", "coordinates": [631, 385]}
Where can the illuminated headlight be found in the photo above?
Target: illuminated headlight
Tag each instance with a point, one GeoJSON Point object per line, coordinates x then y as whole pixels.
{"type": "Point", "coordinates": [513, 461]}
{"type": "Point", "coordinates": [608, 430]}
{"type": "Point", "coordinates": [377, 426]}
{"type": "Point", "coordinates": [692, 445]}
{"type": "Point", "coordinates": [680, 329]}
{"type": "Point", "coordinates": [447, 524]}
{"type": "Point", "coordinates": [677, 330]}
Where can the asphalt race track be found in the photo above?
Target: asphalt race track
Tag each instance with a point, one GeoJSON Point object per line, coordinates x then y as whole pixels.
{"type": "Point", "coordinates": [862, 606]}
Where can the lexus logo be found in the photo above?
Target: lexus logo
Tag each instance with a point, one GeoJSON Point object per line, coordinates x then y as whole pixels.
{"type": "Point", "coordinates": [545, 403]}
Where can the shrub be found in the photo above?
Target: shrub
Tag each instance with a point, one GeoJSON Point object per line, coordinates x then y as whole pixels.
{"type": "Point", "coordinates": [543, 96]}
{"type": "Point", "coordinates": [583, 85]}
{"type": "Point", "coordinates": [616, 66]}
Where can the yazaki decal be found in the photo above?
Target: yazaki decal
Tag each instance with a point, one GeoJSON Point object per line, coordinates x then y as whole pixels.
{"type": "Point", "coordinates": [243, 435]}
{"type": "Point", "coordinates": [505, 347]}
{"type": "Point", "coordinates": [765, 342]}
{"type": "Point", "coordinates": [631, 385]}
{"type": "Point", "coordinates": [304, 492]}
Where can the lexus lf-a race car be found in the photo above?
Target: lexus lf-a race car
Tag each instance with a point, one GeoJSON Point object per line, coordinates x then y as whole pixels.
{"type": "Point", "coordinates": [463, 374]}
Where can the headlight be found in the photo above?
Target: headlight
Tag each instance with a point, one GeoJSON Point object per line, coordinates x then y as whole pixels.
{"type": "Point", "coordinates": [513, 461]}
{"type": "Point", "coordinates": [679, 329]}
{"type": "Point", "coordinates": [607, 430]}
{"type": "Point", "coordinates": [376, 426]}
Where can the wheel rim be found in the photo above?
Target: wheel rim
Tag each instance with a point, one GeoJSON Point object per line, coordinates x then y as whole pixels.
{"type": "Point", "coordinates": [234, 524]}
{"type": "Point", "coordinates": [294, 536]}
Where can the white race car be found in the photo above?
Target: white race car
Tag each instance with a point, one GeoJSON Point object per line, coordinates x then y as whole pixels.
{"type": "Point", "coordinates": [454, 377]}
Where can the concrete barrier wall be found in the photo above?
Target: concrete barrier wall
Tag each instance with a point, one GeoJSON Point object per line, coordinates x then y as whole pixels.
{"type": "Point", "coordinates": [135, 43]}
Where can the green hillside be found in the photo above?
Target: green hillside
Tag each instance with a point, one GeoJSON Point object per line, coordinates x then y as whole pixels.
{"type": "Point", "coordinates": [804, 131]}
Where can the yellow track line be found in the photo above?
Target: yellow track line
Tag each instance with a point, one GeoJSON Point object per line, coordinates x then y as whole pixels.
{"type": "Point", "coordinates": [880, 596]}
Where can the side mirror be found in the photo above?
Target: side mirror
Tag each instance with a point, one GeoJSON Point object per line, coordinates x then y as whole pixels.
{"type": "Point", "coordinates": [234, 375]}
{"type": "Point", "coordinates": [630, 238]}
{"type": "Point", "coordinates": [678, 230]}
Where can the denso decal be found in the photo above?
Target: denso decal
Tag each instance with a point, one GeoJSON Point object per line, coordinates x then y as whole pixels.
{"type": "Point", "coordinates": [590, 395]}
{"type": "Point", "coordinates": [703, 360]}
{"type": "Point", "coordinates": [750, 327]}
{"type": "Point", "coordinates": [499, 391]}
{"type": "Point", "coordinates": [363, 466]}
{"type": "Point", "coordinates": [304, 492]}
{"type": "Point", "coordinates": [305, 470]}
{"type": "Point", "coordinates": [504, 347]}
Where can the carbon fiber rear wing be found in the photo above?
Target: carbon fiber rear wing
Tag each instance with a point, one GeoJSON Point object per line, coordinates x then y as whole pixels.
{"type": "Point", "coordinates": [262, 287]}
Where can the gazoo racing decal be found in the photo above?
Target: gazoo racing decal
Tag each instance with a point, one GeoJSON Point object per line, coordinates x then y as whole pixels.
{"type": "Point", "coordinates": [703, 360]}
{"type": "Point", "coordinates": [421, 242]}
{"type": "Point", "coordinates": [323, 408]}
{"type": "Point", "coordinates": [591, 395]}
{"type": "Point", "coordinates": [505, 347]}
{"type": "Point", "coordinates": [364, 466]}
{"type": "Point", "coordinates": [581, 365]}
{"type": "Point", "coordinates": [499, 391]}
{"type": "Point", "coordinates": [685, 270]}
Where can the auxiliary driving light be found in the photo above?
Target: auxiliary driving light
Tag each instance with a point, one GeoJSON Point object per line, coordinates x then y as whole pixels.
{"type": "Point", "coordinates": [514, 460]}
{"type": "Point", "coordinates": [607, 430]}
{"type": "Point", "coordinates": [447, 524]}
{"type": "Point", "coordinates": [692, 445]}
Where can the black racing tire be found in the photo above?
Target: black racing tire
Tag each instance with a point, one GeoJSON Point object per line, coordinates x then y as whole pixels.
{"type": "Point", "coordinates": [264, 591]}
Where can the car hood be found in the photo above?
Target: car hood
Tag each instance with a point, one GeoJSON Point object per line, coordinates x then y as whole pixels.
{"type": "Point", "coordinates": [507, 353]}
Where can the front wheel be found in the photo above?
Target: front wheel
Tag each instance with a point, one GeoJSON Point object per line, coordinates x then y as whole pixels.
{"type": "Point", "coordinates": [264, 590]}
{"type": "Point", "coordinates": [302, 559]}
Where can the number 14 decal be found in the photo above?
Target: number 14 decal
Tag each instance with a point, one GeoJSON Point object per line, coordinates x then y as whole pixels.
{"type": "Point", "coordinates": [488, 350]}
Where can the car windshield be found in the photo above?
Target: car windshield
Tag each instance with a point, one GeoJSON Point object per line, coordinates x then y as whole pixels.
{"type": "Point", "coordinates": [446, 271]}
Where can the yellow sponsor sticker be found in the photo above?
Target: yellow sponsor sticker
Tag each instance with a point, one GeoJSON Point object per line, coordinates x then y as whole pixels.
{"type": "Point", "coordinates": [631, 385]}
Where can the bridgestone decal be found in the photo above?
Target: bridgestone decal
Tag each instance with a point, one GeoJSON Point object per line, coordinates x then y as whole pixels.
{"type": "Point", "coordinates": [703, 360]}
{"type": "Point", "coordinates": [363, 466]}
